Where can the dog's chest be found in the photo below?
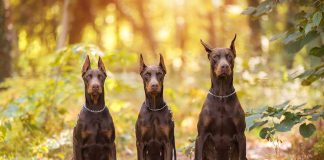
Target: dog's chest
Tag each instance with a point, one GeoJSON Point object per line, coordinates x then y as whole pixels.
{"type": "Point", "coordinates": [219, 119]}
{"type": "Point", "coordinates": [97, 130]}
{"type": "Point", "coordinates": [155, 126]}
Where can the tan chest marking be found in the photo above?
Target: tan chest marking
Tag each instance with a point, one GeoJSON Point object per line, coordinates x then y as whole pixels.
{"type": "Point", "coordinates": [144, 129]}
{"type": "Point", "coordinates": [86, 133]}
{"type": "Point", "coordinates": [165, 130]}
{"type": "Point", "coordinates": [206, 120]}
{"type": "Point", "coordinates": [108, 133]}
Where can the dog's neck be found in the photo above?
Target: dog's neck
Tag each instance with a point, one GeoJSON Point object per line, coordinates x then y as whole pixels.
{"type": "Point", "coordinates": [95, 104]}
{"type": "Point", "coordinates": [155, 101]}
{"type": "Point", "coordinates": [221, 86]}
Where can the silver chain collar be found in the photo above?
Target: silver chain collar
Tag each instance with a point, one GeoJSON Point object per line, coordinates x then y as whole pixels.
{"type": "Point", "coordinates": [155, 110]}
{"type": "Point", "coordinates": [221, 97]}
{"type": "Point", "coordinates": [94, 111]}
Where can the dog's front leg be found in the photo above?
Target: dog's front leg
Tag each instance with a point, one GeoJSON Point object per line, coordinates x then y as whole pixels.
{"type": "Point", "coordinates": [167, 153]}
{"type": "Point", "coordinates": [240, 137]}
{"type": "Point", "coordinates": [200, 142]}
{"type": "Point", "coordinates": [112, 151]}
{"type": "Point", "coordinates": [203, 123]}
{"type": "Point", "coordinates": [172, 141]}
{"type": "Point", "coordinates": [140, 150]}
{"type": "Point", "coordinates": [241, 146]}
{"type": "Point", "coordinates": [77, 142]}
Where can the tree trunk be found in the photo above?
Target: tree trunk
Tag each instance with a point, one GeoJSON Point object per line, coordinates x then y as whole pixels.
{"type": "Point", "coordinates": [255, 31]}
{"type": "Point", "coordinates": [147, 29]}
{"type": "Point", "coordinates": [81, 15]}
{"type": "Point", "coordinates": [64, 26]}
{"type": "Point", "coordinates": [290, 16]}
{"type": "Point", "coordinates": [5, 45]}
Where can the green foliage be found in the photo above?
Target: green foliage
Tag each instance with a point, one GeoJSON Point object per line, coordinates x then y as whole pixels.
{"type": "Point", "coordinates": [308, 26]}
{"type": "Point", "coordinates": [263, 8]}
{"type": "Point", "coordinates": [33, 119]}
{"type": "Point", "coordinates": [311, 75]}
{"type": "Point", "coordinates": [283, 117]}
{"type": "Point", "coordinates": [189, 149]}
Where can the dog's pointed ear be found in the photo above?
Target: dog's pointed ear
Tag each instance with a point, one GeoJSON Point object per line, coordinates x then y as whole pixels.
{"type": "Point", "coordinates": [206, 46]}
{"type": "Point", "coordinates": [101, 66]}
{"type": "Point", "coordinates": [142, 64]}
{"type": "Point", "coordinates": [233, 46]}
{"type": "Point", "coordinates": [161, 64]}
{"type": "Point", "coordinates": [86, 65]}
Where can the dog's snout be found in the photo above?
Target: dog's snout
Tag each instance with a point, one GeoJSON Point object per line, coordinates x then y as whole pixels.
{"type": "Point", "coordinates": [155, 86]}
{"type": "Point", "coordinates": [95, 86]}
{"type": "Point", "coordinates": [224, 66]}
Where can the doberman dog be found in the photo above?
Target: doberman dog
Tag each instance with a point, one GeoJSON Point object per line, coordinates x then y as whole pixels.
{"type": "Point", "coordinates": [154, 126]}
{"type": "Point", "coordinates": [221, 122]}
{"type": "Point", "coordinates": [94, 133]}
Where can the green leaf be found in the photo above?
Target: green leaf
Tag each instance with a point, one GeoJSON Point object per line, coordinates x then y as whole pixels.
{"type": "Point", "coordinates": [265, 132]}
{"type": "Point", "coordinates": [308, 27]}
{"type": "Point", "coordinates": [306, 130]}
{"type": "Point", "coordinates": [295, 44]}
{"type": "Point", "coordinates": [317, 51]}
{"type": "Point", "coordinates": [8, 125]}
{"type": "Point", "coordinates": [282, 105]}
{"type": "Point", "coordinates": [292, 37]}
{"type": "Point", "coordinates": [317, 17]}
{"type": "Point", "coordinates": [249, 120]}
{"type": "Point", "coordinates": [316, 116]}
{"type": "Point", "coordinates": [11, 110]}
{"type": "Point", "coordinates": [313, 109]}
{"type": "Point", "coordinates": [258, 124]}
{"type": "Point", "coordinates": [249, 11]}
{"type": "Point", "coordinates": [285, 125]}
{"type": "Point", "coordinates": [278, 36]}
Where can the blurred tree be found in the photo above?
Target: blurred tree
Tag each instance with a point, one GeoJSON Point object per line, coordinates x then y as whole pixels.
{"type": "Point", "coordinates": [83, 13]}
{"type": "Point", "coordinates": [212, 27]}
{"type": "Point", "coordinates": [145, 27]}
{"type": "Point", "coordinates": [64, 25]}
{"type": "Point", "coordinates": [5, 44]}
{"type": "Point", "coordinates": [255, 31]}
{"type": "Point", "coordinates": [290, 18]}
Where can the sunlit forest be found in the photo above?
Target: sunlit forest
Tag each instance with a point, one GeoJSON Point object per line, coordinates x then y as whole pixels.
{"type": "Point", "coordinates": [278, 74]}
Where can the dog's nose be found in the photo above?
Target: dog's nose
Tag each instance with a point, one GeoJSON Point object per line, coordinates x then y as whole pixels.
{"type": "Point", "coordinates": [224, 66]}
{"type": "Point", "coordinates": [95, 87]}
{"type": "Point", "coordinates": [155, 86]}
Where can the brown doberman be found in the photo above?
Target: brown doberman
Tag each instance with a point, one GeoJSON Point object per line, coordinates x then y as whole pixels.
{"type": "Point", "coordinates": [221, 122]}
{"type": "Point", "coordinates": [154, 126]}
{"type": "Point", "coordinates": [94, 133]}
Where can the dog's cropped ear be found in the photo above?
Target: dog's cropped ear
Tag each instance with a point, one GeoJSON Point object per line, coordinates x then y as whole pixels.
{"type": "Point", "coordinates": [101, 66]}
{"type": "Point", "coordinates": [142, 64]}
{"type": "Point", "coordinates": [161, 64]}
{"type": "Point", "coordinates": [233, 46]}
{"type": "Point", "coordinates": [206, 46]}
{"type": "Point", "coordinates": [86, 65]}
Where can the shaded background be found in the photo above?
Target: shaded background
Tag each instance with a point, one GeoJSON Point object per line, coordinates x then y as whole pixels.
{"type": "Point", "coordinates": [43, 44]}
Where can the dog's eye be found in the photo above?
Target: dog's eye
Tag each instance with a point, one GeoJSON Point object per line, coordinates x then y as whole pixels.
{"type": "Point", "coordinates": [147, 74]}
{"type": "Point", "coordinates": [89, 76]}
{"type": "Point", "coordinates": [228, 56]}
{"type": "Point", "coordinates": [217, 56]}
